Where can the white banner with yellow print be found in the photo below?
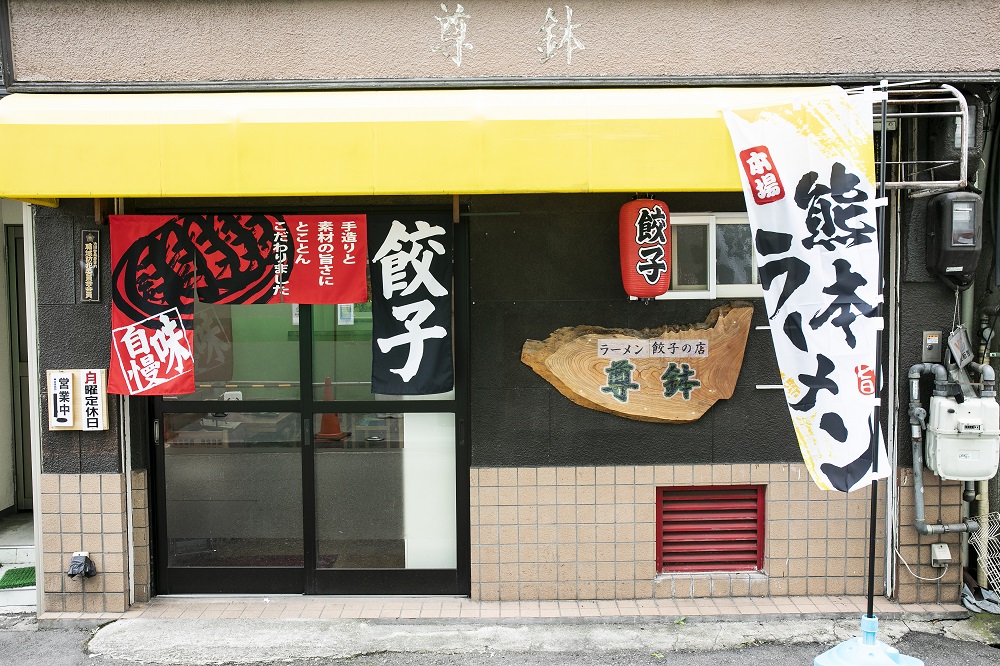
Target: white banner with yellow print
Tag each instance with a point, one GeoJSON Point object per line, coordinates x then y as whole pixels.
{"type": "Point", "coordinates": [808, 171]}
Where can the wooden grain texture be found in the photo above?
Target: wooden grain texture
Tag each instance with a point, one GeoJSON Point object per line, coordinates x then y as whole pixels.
{"type": "Point", "coordinates": [568, 359]}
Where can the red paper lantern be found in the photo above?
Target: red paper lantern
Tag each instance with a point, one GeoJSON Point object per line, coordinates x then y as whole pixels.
{"type": "Point", "coordinates": [644, 242]}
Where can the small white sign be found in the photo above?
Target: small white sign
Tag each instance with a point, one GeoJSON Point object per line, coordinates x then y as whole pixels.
{"type": "Point", "coordinates": [622, 348]}
{"type": "Point", "coordinates": [678, 348]}
{"type": "Point", "coordinates": [656, 348]}
{"type": "Point", "coordinates": [345, 314]}
{"type": "Point", "coordinates": [95, 399]}
{"type": "Point", "coordinates": [60, 384]}
{"type": "Point", "coordinates": [78, 399]}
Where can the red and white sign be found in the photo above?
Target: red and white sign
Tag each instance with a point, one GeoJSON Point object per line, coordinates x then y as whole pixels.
{"type": "Point", "coordinates": [161, 261]}
{"type": "Point", "coordinates": [644, 247]}
{"type": "Point", "coordinates": [154, 353]}
{"type": "Point", "coordinates": [77, 399]}
{"type": "Point", "coordinates": [320, 259]}
{"type": "Point", "coordinates": [866, 379]}
{"type": "Point", "coordinates": [765, 184]}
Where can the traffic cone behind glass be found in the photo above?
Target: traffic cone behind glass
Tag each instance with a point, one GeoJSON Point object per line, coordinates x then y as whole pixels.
{"type": "Point", "coordinates": [329, 428]}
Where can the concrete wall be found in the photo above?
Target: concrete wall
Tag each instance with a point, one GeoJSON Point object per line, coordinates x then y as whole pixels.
{"type": "Point", "coordinates": [215, 40]}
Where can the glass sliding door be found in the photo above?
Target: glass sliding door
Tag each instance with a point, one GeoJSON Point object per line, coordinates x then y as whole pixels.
{"type": "Point", "coordinates": [385, 470]}
{"type": "Point", "coordinates": [284, 473]}
{"type": "Point", "coordinates": [233, 499]}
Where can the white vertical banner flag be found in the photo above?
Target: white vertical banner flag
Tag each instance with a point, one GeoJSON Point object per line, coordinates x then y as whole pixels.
{"type": "Point", "coordinates": [808, 171]}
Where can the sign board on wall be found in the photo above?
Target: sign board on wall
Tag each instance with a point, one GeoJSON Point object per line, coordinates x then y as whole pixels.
{"type": "Point", "coordinates": [78, 399]}
{"type": "Point", "coordinates": [90, 266]}
{"type": "Point", "coordinates": [673, 374]}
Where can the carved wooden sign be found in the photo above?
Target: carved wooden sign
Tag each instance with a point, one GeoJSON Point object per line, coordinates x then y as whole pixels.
{"type": "Point", "coordinates": [671, 374]}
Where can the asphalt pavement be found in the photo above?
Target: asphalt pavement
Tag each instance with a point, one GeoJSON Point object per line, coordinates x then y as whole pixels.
{"type": "Point", "coordinates": [380, 643]}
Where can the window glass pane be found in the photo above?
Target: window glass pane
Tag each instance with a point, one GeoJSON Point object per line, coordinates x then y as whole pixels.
{"type": "Point", "coordinates": [690, 251]}
{"type": "Point", "coordinates": [244, 352]}
{"type": "Point", "coordinates": [734, 254]}
{"type": "Point", "coordinates": [963, 229]}
{"type": "Point", "coordinates": [233, 489]}
{"type": "Point", "coordinates": [342, 352]}
{"type": "Point", "coordinates": [385, 491]}
{"type": "Point", "coordinates": [342, 355]}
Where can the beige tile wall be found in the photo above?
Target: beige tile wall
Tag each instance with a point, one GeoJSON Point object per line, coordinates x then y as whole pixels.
{"type": "Point", "coordinates": [590, 533]}
{"type": "Point", "coordinates": [942, 503]}
{"type": "Point", "coordinates": [140, 535]}
{"type": "Point", "coordinates": [84, 512]}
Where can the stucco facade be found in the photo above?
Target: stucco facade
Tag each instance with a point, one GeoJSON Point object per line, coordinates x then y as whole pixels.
{"type": "Point", "coordinates": [345, 40]}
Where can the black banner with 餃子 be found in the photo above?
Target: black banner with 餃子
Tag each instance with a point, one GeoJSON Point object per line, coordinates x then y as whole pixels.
{"type": "Point", "coordinates": [411, 259]}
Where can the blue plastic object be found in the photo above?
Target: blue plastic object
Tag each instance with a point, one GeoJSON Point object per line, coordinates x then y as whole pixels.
{"type": "Point", "coordinates": [865, 650]}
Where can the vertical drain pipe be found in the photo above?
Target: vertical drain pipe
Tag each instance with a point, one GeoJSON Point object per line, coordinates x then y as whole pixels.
{"type": "Point", "coordinates": [918, 419]}
{"type": "Point", "coordinates": [982, 492]}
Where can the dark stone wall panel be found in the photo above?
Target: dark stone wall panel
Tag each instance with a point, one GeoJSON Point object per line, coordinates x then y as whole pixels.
{"type": "Point", "coordinates": [60, 451]}
{"type": "Point", "coordinates": [582, 436]}
{"type": "Point", "coordinates": [56, 238]}
{"type": "Point", "coordinates": [914, 242]}
{"type": "Point", "coordinates": [510, 427]}
{"type": "Point", "coordinates": [72, 334]}
{"type": "Point", "coordinates": [937, 303]}
{"type": "Point", "coordinates": [753, 427]}
{"type": "Point", "coordinates": [543, 262]}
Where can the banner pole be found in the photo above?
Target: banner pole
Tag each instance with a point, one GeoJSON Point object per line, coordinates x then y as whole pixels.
{"type": "Point", "coordinates": [877, 413]}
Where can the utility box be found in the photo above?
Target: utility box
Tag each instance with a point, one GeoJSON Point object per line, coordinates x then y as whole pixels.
{"type": "Point", "coordinates": [963, 439]}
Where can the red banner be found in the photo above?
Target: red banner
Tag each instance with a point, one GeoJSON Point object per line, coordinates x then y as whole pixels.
{"type": "Point", "coordinates": [152, 307]}
{"type": "Point", "coordinates": [321, 259]}
{"type": "Point", "coordinates": [159, 261]}
{"type": "Point", "coordinates": [306, 259]}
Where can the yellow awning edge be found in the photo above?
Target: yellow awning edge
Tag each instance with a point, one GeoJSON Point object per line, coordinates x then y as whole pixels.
{"type": "Point", "coordinates": [371, 142]}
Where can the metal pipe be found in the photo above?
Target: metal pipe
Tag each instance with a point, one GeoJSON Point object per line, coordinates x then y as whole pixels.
{"type": "Point", "coordinates": [984, 514]}
{"type": "Point", "coordinates": [987, 374]}
{"type": "Point", "coordinates": [918, 417]}
{"type": "Point", "coordinates": [920, 521]}
{"type": "Point", "coordinates": [876, 411]}
{"type": "Point", "coordinates": [940, 380]}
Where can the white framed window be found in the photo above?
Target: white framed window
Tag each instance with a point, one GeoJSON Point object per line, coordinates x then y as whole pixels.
{"type": "Point", "coordinates": [711, 256]}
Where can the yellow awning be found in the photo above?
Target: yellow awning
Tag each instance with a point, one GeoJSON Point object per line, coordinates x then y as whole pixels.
{"type": "Point", "coordinates": [371, 142]}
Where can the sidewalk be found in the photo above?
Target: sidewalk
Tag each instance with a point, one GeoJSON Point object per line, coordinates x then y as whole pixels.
{"type": "Point", "coordinates": [436, 608]}
{"type": "Point", "coordinates": [189, 631]}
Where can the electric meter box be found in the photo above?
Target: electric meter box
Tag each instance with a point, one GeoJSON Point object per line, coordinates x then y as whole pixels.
{"type": "Point", "coordinates": [963, 439]}
{"type": "Point", "coordinates": [954, 235]}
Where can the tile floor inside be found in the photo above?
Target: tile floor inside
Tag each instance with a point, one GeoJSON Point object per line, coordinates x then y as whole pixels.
{"type": "Point", "coordinates": [419, 608]}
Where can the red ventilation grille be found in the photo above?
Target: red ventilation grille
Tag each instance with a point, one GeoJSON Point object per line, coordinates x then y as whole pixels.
{"type": "Point", "coordinates": [711, 528]}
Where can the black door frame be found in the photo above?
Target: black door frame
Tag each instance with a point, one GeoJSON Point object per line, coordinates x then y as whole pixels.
{"type": "Point", "coordinates": [310, 580]}
{"type": "Point", "coordinates": [14, 251]}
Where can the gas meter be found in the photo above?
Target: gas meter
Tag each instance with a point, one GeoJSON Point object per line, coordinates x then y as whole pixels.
{"type": "Point", "coordinates": [954, 237]}
{"type": "Point", "coordinates": [963, 439]}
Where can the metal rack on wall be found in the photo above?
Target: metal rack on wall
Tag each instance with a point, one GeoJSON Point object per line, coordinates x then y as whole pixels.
{"type": "Point", "coordinates": [941, 149]}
